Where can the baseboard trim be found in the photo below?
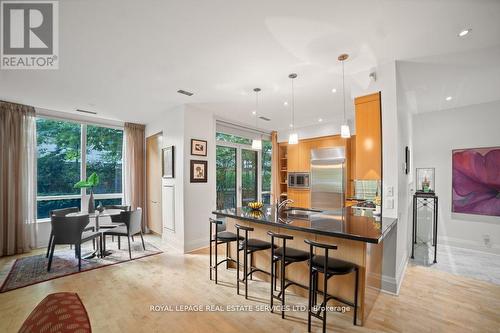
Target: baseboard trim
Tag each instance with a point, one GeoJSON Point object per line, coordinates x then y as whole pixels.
{"type": "Point", "coordinates": [468, 244]}
{"type": "Point", "coordinates": [196, 244]}
{"type": "Point", "coordinates": [391, 285]}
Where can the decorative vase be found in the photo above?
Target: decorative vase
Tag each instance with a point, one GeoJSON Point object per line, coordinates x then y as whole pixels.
{"type": "Point", "coordinates": [100, 207]}
{"type": "Point", "coordinates": [91, 202]}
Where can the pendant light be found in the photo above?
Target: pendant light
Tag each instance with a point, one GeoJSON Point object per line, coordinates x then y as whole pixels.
{"type": "Point", "coordinates": [345, 131]}
{"type": "Point", "coordinates": [257, 143]}
{"type": "Point", "coordinates": [293, 139]}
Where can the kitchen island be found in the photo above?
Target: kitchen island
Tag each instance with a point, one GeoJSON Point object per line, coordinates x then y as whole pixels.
{"type": "Point", "coordinates": [358, 233]}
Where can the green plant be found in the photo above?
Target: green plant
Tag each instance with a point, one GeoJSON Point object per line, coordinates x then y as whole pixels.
{"type": "Point", "coordinates": [91, 182]}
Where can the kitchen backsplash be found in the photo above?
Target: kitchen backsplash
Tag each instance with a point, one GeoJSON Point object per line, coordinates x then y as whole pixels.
{"type": "Point", "coordinates": [366, 189]}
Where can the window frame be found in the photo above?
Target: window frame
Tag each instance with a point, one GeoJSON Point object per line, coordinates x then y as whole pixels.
{"type": "Point", "coordinates": [83, 166]}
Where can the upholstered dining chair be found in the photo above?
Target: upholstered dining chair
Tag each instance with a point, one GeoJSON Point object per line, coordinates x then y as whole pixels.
{"type": "Point", "coordinates": [132, 226]}
{"type": "Point", "coordinates": [64, 212]}
{"type": "Point", "coordinates": [116, 220]}
{"type": "Point", "coordinates": [70, 230]}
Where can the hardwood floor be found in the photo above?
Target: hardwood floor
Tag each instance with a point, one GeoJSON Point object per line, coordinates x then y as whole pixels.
{"type": "Point", "coordinates": [118, 299]}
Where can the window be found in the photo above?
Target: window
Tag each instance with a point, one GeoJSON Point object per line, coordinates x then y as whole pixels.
{"type": "Point", "coordinates": [266, 170]}
{"type": "Point", "coordinates": [243, 173]}
{"type": "Point", "coordinates": [60, 155]}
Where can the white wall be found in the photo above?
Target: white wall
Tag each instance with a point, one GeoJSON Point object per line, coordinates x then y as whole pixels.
{"type": "Point", "coordinates": [194, 202]}
{"type": "Point", "coordinates": [436, 134]}
{"type": "Point", "coordinates": [171, 124]}
{"type": "Point", "coordinates": [199, 198]}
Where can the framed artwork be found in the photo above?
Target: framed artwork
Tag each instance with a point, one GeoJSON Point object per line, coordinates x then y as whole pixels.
{"type": "Point", "coordinates": [199, 170]}
{"type": "Point", "coordinates": [167, 162]}
{"type": "Point", "coordinates": [198, 147]}
{"type": "Point", "coordinates": [476, 181]}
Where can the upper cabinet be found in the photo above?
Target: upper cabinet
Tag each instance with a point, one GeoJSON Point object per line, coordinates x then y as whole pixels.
{"type": "Point", "coordinates": [293, 158]}
{"type": "Point", "coordinates": [368, 150]}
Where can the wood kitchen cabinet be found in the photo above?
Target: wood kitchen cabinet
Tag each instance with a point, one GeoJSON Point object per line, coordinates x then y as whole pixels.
{"type": "Point", "coordinates": [368, 137]}
{"type": "Point", "coordinates": [293, 158]}
{"type": "Point", "coordinates": [300, 197]}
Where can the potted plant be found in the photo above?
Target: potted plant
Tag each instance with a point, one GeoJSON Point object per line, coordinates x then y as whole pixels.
{"type": "Point", "coordinates": [90, 183]}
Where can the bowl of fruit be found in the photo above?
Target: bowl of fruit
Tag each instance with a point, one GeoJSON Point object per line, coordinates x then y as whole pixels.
{"type": "Point", "coordinates": [256, 205]}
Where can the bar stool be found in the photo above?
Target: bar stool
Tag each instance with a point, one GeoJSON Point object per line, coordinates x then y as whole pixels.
{"type": "Point", "coordinates": [334, 267]}
{"type": "Point", "coordinates": [248, 246]}
{"type": "Point", "coordinates": [220, 236]}
{"type": "Point", "coordinates": [285, 256]}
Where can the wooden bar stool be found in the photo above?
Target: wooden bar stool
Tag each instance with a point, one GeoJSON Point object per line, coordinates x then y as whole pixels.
{"type": "Point", "coordinates": [285, 256]}
{"type": "Point", "coordinates": [220, 236]}
{"type": "Point", "coordinates": [329, 267]}
{"type": "Point", "coordinates": [248, 246]}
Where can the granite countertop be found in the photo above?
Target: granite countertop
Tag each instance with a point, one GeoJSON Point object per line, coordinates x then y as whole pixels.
{"type": "Point", "coordinates": [351, 223]}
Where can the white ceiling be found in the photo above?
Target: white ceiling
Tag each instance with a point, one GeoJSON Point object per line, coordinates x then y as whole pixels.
{"type": "Point", "coordinates": [126, 59]}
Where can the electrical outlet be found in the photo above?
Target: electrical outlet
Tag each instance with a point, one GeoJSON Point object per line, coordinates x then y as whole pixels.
{"type": "Point", "coordinates": [487, 240]}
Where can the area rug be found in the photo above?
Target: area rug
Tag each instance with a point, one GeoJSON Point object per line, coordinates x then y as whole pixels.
{"type": "Point", "coordinates": [60, 312]}
{"type": "Point", "coordinates": [27, 271]}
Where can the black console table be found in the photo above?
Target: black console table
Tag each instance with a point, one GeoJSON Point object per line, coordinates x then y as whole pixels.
{"type": "Point", "coordinates": [425, 199]}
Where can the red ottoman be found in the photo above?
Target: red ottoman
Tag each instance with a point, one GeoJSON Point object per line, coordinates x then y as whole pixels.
{"type": "Point", "coordinates": [59, 312]}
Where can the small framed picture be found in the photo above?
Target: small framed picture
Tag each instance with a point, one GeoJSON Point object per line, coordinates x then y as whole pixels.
{"type": "Point", "coordinates": [198, 147]}
{"type": "Point", "coordinates": [199, 170]}
{"type": "Point", "coordinates": [167, 165]}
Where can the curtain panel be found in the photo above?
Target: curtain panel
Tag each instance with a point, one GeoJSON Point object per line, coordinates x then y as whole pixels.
{"type": "Point", "coordinates": [135, 168]}
{"type": "Point", "coordinates": [17, 178]}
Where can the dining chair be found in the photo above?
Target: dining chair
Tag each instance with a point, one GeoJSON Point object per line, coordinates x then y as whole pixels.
{"type": "Point", "coordinates": [64, 212]}
{"type": "Point", "coordinates": [70, 230]}
{"type": "Point", "coordinates": [132, 226]}
{"type": "Point", "coordinates": [116, 220]}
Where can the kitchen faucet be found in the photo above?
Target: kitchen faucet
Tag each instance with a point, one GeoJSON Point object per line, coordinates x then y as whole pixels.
{"type": "Point", "coordinates": [283, 204]}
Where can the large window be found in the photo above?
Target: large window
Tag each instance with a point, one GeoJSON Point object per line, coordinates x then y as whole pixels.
{"type": "Point", "coordinates": [243, 173]}
{"type": "Point", "coordinates": [62, 146]}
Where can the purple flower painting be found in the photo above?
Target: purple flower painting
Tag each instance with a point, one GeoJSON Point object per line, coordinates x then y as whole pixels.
{"type": "Point", "coordinates": [476, 181]}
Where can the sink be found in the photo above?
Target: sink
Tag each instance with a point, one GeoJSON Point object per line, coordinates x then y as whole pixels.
{"type": "Point", "coordinates": [300, 212]}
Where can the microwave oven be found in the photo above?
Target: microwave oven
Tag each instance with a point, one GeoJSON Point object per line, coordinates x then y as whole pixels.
{"type": "Point", "coordinates": [298, 179]}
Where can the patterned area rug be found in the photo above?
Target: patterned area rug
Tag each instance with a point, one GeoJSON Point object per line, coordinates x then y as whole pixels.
{"type": "Point", "coordinates": [59, 312]}
{"type": "Point", "coordinates": [31, 270]}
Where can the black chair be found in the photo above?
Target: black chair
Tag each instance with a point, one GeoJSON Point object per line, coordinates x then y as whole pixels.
{"type": "Point", "coordinates": [64, 212]}
{"type": "Point", "coordinates": [285, 256]}
{"type": "Point", "coordinates": [116, 220]}
{"type": "Point", "coordinates": [70, 230]}
{"type": "Point", "coordinates": [249, 246]}
{"type": "Point", "coordinates": [329, 267]}
{"type": "Point", "coordinates": [219, 235]}
{"type": "Point", "coordinates": [132, 226]}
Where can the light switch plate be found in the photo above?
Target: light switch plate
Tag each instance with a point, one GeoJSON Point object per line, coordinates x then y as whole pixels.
{"type": "Point", "coordinates": [389, 203]}
{"type": "Point", "coordinates": [389, 190]}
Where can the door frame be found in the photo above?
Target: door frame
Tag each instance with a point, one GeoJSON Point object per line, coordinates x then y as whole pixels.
{"type": "Point", "coordinates": [160, 134]}
{"type": "Point", "coordinates": [239, 147]}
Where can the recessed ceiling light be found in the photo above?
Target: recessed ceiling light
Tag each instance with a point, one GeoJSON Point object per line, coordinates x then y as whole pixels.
{"type": "Point", "coordinates": [285, 103]}
{"type": "Point", "coordinates": [449, 98]}
{"type": "Point", "coordinates": [320, 119]}
{"type": "Point", "coordinates": [334, 90]}
{"type": "Point", "coordinates": [254, 112]}
{"type": "Point", "coordinates": [464, 32]}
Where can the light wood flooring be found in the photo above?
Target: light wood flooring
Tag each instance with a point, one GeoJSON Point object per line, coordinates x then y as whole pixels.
{"type": "Point", "coordinates": [118, 299]}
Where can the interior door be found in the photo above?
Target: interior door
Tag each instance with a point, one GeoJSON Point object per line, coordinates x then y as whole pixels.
{"type": "Point", "coordinates": [153, 183]}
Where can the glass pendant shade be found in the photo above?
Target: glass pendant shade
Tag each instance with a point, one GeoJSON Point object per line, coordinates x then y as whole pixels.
{"type": "Point", "coordinates": [257, 144]}
{"type": "Point", "coordinates": [293, 139]}
{"type": "Point", "coordinates": [345, 132]}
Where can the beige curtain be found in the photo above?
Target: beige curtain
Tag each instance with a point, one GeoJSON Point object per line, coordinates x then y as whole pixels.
{"type": "Point", "coordinates": [275, 188]}
{"type": "Point", "coordinates": [17, 178]}
{"type": "Point", "coordinates": [135, 168]}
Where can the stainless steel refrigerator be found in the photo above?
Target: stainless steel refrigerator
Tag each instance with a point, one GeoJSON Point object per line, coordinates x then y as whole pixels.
{"type": "Point", "coordinates": [328, 178]}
